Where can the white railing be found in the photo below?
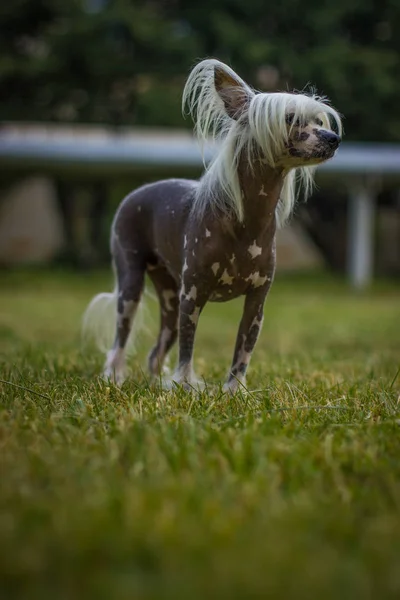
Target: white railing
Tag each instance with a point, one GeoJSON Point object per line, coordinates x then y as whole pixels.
{"type": "Point", "coordinates": [361, 166]}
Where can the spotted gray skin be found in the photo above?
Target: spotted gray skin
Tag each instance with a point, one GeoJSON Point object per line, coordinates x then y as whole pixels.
{"type": "Point", "coordinates": [191, 262]}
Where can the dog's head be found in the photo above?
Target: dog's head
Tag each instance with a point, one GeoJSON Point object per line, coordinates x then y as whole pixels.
{"type": "Point", "coordinates": [288, 132]}
{"type": "Point", "coordinates": [310, 140]}
{"type": "Point", "coordinates": [291, 130]}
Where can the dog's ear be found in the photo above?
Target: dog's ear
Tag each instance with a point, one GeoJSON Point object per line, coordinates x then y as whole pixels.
{"type": "Point", "coordinates": [233, 93]}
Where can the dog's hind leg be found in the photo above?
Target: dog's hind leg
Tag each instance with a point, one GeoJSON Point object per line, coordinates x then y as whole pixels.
{"type": "Point", "coordinates": [130, 286]}
{"type": "Point", "coordinates": [167, 292]}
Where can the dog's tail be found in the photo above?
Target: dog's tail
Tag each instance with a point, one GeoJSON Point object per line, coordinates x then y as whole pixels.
{"type": "Point", "coordinates": [99, 322]}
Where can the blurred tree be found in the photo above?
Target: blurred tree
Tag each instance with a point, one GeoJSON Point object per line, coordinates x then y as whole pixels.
{"type": "Point", "coordinates": [124, 62]}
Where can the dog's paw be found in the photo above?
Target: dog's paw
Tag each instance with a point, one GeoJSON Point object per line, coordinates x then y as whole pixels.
{"type": "Point", "coordinates": [234, 385]}
{"type": "Point", "coordinates": [114, 376]}
{"type": "Point", "coordinates": [192, 385]}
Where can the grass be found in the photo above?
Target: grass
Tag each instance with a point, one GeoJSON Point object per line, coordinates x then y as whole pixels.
{"type": "Point", "coordinates": [289, 491]}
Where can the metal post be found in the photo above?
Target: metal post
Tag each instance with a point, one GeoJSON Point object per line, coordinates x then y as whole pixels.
{"type": "Point", "coordinates": [360, 253]}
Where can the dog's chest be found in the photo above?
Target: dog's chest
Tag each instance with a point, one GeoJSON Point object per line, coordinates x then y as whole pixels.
{"type": "Point", "coordinates": [227, 268]}
{"type": "Point", "coordinates": [235, 274]}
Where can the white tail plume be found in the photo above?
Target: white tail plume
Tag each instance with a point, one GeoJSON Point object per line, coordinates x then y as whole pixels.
{"type": "Point", "coordinates": [99, 322]}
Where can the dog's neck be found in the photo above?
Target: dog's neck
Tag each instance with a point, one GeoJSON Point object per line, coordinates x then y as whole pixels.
{"type": "Point", "coordinates": [261, 187]}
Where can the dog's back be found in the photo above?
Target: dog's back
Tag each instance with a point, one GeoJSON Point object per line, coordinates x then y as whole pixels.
{"type": "Point", "coordinates": [149, 225]}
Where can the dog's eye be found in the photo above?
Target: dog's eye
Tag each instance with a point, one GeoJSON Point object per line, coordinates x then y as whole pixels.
{"type": "Point", "coordinates": [318, 122]}
{"type": "Point", "coordinates": [290, 120]}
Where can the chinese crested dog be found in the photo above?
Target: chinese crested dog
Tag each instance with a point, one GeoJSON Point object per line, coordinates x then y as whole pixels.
{"type": "Point", "coordinates": [214, 239]}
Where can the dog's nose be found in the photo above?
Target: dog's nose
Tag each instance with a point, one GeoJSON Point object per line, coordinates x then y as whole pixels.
{"type": "Point", "coordinates": [332, 139]}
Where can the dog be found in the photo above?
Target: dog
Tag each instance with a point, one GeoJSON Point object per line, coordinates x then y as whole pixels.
{"type": "Point", "coordinates": [214, 239]}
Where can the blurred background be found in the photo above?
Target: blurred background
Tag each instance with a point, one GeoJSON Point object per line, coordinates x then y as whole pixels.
{"type": "Point", "coordinates": [90, 102]}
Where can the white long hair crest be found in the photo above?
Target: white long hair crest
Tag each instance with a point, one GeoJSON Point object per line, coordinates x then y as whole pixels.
{"type": "Point", "coordinates": [242, 120]}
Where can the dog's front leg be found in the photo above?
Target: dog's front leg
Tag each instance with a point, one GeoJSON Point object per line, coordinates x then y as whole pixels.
{"type": "Point", "coordinates": [190, 306]}
{"type": "Point", "coordinates": [249, 329]}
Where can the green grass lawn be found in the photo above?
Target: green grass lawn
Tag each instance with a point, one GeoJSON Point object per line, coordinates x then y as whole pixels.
{"type": "Point", "coordinates": [291, 490]}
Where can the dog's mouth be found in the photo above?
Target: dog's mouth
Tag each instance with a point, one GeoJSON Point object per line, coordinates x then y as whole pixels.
{"type": "Point", "coordinates": [318, 154]}
{"type": "Point", "coordinates": [324, 153]}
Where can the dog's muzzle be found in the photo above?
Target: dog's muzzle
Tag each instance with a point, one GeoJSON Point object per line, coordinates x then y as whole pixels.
{"type": "Point", "coordinates": [330, 139]}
